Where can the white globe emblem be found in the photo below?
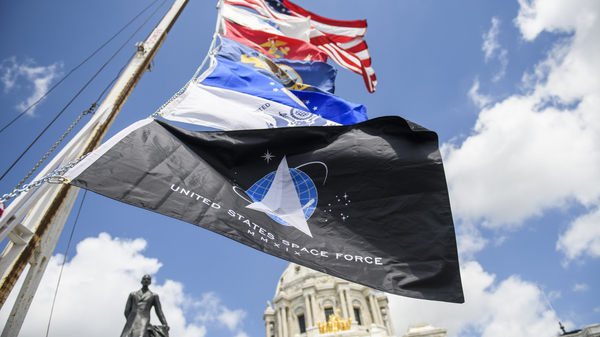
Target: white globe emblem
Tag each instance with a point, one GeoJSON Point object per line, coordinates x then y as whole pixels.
{"type": "Point", "coordinates": [287, 195]}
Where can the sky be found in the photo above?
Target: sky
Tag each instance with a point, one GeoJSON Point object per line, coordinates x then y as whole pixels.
{"type": "Point", "coordinates": [511, 87]}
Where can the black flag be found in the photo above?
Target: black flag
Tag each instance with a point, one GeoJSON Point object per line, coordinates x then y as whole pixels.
{"type": "Point", "coordinates": [366, 202]}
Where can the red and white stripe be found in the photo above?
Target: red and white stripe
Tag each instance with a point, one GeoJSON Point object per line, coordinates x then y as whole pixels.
{"type": "Point", "coordinates": [359, 63]}
{"type": "Point", "coordinates": [341, 40]}
{"type": "Point", "coordinates": [337, 30]}
{"type": "Point", "coordinates": [258, 5]}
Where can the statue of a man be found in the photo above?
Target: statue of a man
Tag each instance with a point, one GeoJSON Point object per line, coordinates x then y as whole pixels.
{"type": "Point", "coordinates": [137, 313]}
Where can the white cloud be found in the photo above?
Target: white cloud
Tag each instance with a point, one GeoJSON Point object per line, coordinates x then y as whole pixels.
{"type": "Point", "coordinates": [469, 241]}
{"type": "Point", "coordinates": [35, 80]}
{"type": "Point", "coordinates": [490, 39]}
{"type": "Point", "coordinates": [503, 64]}
{"type": "Point", "coordinates": [581, 287]}
{"type": "Point", "coordinates": [231, 318]}
{"type": "Point", "coordinates": [540, 149]}
{"type": "Point", "coordinates": [492, 49]}
{"type": "Point", "coordinates": [554, 294]}
{"type": "Point", "coordinates": [210, 310]}
{"type": "Point", "coordinates": [94, 288]}
{"type": "Point", "coordinates": [536, 16]}
{"type": "Point", "coordinates": [480, 100]}
{"type": "Point", "coordinates": [511, 308]}
{"type": "Point", "coordinates": [8, 73]}
{"type": "Point", "coordinates": [582, 237]}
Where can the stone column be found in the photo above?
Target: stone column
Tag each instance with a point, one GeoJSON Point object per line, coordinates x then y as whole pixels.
{"type": "Point", "coordinates": [379, 316]}
{"type": "Point", "coordinates": [350, 307]}
{"type": "Point", "coordinates": [343, 304]}
{"type": "Point", "coordinates": [315, 308]}
{"type": "Point", "coordinates": [307, 312]}
{"type": "Point", "coordinates": [284, 319]}
{"type": "Point", "coordinates": [294, 326]}
{"type": "Point", "coordinates": [279, 323]}
{"type": "Point", "coordinates": [268, 328]}
{"type": "Point", "coordinates": [388, 321]}
{"type": "Point", "coordinates": [374, 310]}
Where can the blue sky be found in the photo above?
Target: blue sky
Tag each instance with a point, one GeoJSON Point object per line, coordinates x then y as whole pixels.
{"type": "Point", "coordinates": [511, 88]}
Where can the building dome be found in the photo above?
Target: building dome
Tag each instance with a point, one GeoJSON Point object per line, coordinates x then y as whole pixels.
{"type": "Point", "coordinates": [308, 303]}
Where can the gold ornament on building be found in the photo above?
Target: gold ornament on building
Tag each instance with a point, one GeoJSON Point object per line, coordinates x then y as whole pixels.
{"type": "Point", "coordinates": [334, 324]}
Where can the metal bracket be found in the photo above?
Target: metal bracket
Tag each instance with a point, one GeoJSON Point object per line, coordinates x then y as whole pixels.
{"type": "Point", "coordinates": [20, 235]}
{"type": "Point", "coordinates": [140, 48]}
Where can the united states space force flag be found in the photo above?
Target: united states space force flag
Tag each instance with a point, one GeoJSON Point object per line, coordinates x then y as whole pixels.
{"type": "Point", "coordinates": [229, 96]}
{"type": "Point", "coordinates": [366, 202]}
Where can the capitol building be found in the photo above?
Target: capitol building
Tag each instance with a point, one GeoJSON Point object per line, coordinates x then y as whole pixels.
{"type": "Point", "coordinates": [308, 303]}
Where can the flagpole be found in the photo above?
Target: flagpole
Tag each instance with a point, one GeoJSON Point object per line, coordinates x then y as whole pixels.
{"type": "Point", "coordinates": [34, 237]}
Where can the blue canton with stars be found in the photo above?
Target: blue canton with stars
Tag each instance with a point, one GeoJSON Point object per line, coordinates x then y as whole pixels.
{"type": "Point", "coordinates": [278, 6]}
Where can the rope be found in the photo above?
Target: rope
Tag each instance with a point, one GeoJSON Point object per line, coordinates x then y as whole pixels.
{"type": "Point", "coordinates": [183, 89]}
{"type": "Point", "coordinates": [63, 263]}
{"type": "Point", "coordinates": [211, 49]}
{"type": "Point", "coordinates": [84, 61]}
{"type": "Point", "coordinates": [80, 91]}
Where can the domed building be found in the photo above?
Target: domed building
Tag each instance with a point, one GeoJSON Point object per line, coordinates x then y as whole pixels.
{"type": "Point", "coordinates": [308, 303]}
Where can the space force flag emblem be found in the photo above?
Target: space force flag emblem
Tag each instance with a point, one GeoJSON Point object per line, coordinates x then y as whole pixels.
{"type": "Point", "coordinates": [366, 202]}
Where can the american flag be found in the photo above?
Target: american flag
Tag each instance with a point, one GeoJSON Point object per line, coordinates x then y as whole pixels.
{"type": "Point", "coordinates": [341, 40]}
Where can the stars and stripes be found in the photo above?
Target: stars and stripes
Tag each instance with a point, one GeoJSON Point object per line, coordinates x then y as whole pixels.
{"type": "Point", "coordinates": [341, 40]}
{"type": "Point", "coordinates": [359, 63]}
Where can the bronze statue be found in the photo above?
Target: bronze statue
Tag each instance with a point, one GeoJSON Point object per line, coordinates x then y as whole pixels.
{"type": "Point", "coordinates": [137, 313]}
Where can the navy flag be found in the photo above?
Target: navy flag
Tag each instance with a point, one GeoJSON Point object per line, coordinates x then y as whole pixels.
{"type": "Point", "coordinates": [366, 202]}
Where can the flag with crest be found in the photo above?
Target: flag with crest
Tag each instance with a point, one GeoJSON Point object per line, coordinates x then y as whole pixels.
{"type": "Point", "coordinates": [366, 202]}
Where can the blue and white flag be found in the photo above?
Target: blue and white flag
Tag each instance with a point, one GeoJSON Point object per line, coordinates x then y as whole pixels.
{"type": "Point", "coordinates": [229, 96]}
{"type": "Point", "coordinates": [332, 107]}
{"type": "Point", "coordinates": [293, 74]}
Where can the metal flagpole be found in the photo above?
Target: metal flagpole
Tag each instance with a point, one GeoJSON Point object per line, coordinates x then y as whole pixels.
{"type": "Point", "coordinates": [34, 220]}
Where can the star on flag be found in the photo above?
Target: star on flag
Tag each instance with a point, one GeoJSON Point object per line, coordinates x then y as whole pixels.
{"type": "Point", "coordinates": [268, 156]}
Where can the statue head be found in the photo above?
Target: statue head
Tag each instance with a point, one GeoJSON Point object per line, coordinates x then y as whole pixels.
{"type": "Point", "coordinates": [146, 280]}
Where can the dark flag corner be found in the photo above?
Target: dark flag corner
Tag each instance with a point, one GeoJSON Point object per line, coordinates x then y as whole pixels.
{"type": "Point", "coordinates": [366, 202]}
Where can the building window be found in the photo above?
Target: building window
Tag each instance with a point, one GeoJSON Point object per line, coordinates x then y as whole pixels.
{"type": "Point", "coordinates": [357, 315]}
{"type": "Point", "coordinates": [328, 312]}
{"type": "Point", "coordinates": [302, 324]}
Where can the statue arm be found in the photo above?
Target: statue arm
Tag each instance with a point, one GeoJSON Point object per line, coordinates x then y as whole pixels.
{"type": "Point", "coordinates": [128, 306]}
{"type": "Point", "coordinates": [159, 312]}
